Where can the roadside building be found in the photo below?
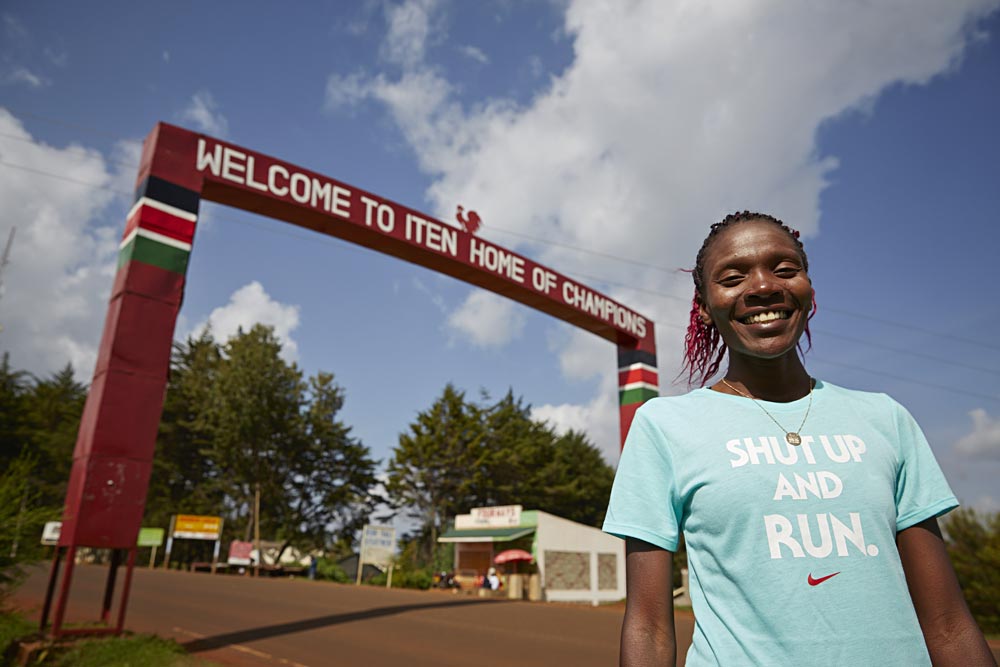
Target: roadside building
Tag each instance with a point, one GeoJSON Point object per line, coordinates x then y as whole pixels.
{"type": "Point", "coordinates": [572, 562]}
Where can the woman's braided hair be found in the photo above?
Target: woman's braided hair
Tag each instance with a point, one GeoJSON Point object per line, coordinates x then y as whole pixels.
{"type": "Point", "coordinates": [703, 346]}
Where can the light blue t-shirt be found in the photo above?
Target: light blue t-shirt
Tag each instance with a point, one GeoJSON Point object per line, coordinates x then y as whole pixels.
{"type": "Point", "coordinates": [791, 550]}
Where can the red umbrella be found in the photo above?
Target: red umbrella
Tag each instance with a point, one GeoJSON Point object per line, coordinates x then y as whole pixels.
{"type": "Point", "coordinates": [512, 556]}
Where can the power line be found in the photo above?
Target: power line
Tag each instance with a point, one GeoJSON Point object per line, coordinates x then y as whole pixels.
{"type": "Point", "coordinates": [79, 150]}
{"type": "Point", "coordinates": [294, 233]}
{"type": "Point", "coordinates": [606, 281]}
{"type": "Point", "coordinates": [901, 378]}
{"type": "Point", "coordinates": [911, 327]}
{"type": "Point", "coordinates": [41, 172]}
{"type": "Point", "coordinates": [626, 260]}
{"type": "Point", "coordinates": [634, 262]}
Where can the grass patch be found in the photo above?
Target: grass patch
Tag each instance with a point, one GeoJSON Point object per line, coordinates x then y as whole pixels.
{"type": "Point", "coordinates": [13, 626]}
{"type": "Point", "coordinates": [135, 651]}
{"type": "Point", "coordinates": [125, 651]}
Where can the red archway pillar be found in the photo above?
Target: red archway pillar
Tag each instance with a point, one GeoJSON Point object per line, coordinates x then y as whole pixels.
{"type": "Point", "coordinates": [113, 457]}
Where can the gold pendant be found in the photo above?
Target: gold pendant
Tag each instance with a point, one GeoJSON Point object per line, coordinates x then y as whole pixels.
{"type": "Point", "coordinates": [793, 438]}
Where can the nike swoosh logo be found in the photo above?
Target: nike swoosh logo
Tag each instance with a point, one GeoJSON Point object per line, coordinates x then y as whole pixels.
{"type": "Point", "coordinates": [817, 582]}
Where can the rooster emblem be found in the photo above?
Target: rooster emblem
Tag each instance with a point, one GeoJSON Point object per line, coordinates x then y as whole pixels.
{"type": "Point", "coordinates": [471, 222]}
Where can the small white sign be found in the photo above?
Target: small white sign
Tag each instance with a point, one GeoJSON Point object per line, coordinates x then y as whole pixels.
{"type": "Point", "coordinates": [378, 545]}
{"type": "Point", "coordinates": [50, 533]}
{"type": "Point", "coordinates": [501, 516]}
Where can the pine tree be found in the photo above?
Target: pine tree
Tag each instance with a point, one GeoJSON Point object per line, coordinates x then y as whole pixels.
{"type": "Point", "coordinates": [440, 465]}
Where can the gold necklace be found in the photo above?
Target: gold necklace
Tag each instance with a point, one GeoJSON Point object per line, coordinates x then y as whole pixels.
{"type": "Point", "coordinates": [791, 437]}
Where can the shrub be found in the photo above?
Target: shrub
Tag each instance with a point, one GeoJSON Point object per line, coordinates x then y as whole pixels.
{"type": "Point", "coordinates": [20, 523]}
{"type": "Point", "coordinates": [974, 546]}
{"type": "Point", "coordinates": [330, 571]}
{"type": "Point", "coordinates": [421, 578]}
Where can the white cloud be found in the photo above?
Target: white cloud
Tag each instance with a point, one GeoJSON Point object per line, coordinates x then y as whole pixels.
{"type": "Point", "coordinates": [487, 320]}
{"type": "Point", "coordinates": [62, 262]}
{"type": "Point", "coordinates": [345, 91]}
{"type": "Point", "coordinates": [126, 154]}
{"type": "Point", "coordinates": [22, 75]}
{"type": "Point", "coordinates": [14, 29]}
{"type": "Point", "coordinates": [984, 438]}
{"type": "Point", "coordinates": [598, 418]}
{"type": "Point", "coordinates": [671, 115]}
{"type": "Point", "coordinates": [582, 355]}
{"type": "Point", "coordinates": [57, 58]}
{"type": "Point", "coordinates": [166, 56]}
{"type": "Point", "coordinates": [409, 26]}
{"type": "Point", "coordinates": [203, 112]}
{"type": "Point", "coordinates": [250, 305]}
{"type": "Point", "coordinates": [475, 54]}
{"type": "Point", "coordinates": [434, 297]}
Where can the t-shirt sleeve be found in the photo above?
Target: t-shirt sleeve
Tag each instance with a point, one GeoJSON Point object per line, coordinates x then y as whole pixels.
{"type": "Point", "coordinates": [922, 491]}
{"type": "Point", "coordinates": [644, 499]}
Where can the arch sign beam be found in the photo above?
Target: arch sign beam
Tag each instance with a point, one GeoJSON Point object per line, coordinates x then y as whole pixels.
{"type": "Point", "coordinates": [114, 450]}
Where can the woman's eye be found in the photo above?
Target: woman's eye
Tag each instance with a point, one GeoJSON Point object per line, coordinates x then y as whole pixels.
{"type": "Point", "coordinates": [729, 281]}
{"type": "Point", "coordinates": [786, 271]}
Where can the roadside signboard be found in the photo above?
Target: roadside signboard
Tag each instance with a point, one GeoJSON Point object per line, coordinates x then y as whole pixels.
{"type": "Point", "coordinates": [150, 537]}
{"type": "Point", "coordinates": [378, 546]}
{"type": "Point", "coordinates": [499, 516]}
{"type": "Point", "coordinates": [194, 527]}
{"type": "Point", "coordinates": [239, 552]}
{"type": "Point", "coordinates": [50, 533]}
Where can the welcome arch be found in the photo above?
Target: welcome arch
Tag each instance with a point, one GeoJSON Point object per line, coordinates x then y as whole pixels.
{"type": "Point", "coordinates": [113, 457]}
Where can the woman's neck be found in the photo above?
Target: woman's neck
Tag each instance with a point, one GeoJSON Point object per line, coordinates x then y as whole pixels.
{"type": "Point", "coordinates": [778, 380]}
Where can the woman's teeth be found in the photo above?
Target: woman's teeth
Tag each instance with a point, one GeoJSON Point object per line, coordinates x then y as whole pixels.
{"type": "Point", "coordinates": [769, 316]}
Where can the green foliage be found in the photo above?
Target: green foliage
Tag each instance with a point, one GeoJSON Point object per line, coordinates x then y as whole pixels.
{"type": "Point", "coordinates": [21, 520]}
{"type": "Point", "coordinates": [127, 651]}
{"type": "Point", "coordinates": [134, 651]}
{"type": "Point", "coordinates": [328, 570]}
{"type": "Point", "coordinates": [238, 418]}
{"type": "Point", "coordinates": [39, 419]}
{"type": "Point", "coordinates": [421, 578]}
{"type": "Point", "coordinates": [13, 626]}
{"type": "Point", "coordinates": [459, 454]}
{"type": "Point", "coordinates": [974, 546]}
{"type": "Point", "coordinates": [54, 407]}
{"type": "Point", "coordinates": [440, 464]}
{"type": "Point", "coordinates": [182, 478]}
{"type": "Point", "coordinates": [14, 431]}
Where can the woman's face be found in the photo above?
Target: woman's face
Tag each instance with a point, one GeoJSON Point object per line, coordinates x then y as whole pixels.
{"type": "Point", "coordinates": [756, 290]}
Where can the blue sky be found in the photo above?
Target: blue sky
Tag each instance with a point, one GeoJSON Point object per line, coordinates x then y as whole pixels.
{"type": "Point", "coordinates": [618, 129]}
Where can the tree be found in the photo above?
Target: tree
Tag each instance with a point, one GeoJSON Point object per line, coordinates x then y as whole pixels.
{"type": "Point", "coordinates": [577, 480]}
{"type": "Point", "coordinates": [13, 427]}
{"type": "Point", "coordinates": [331, 474]}
{"type": "Point", "coordinates": [21, 519]}
{"type": "Point", "coordinates": [519, 449]}
{"type": "Point", "coordinates": [530, 465]}
{"type": "Point", "coordinates": [439, 465]}
{"type": "Point", "coordinates": [53, 410]}
{"type": "Point", "coordinates": [458, 455]}
{"type": "Point", "coordinates": [254, 416]}
{"type": "Point", "coordinates": [182, 480]}
{"type": "Point", "coordinates": [39, 420]}
{"type": "Point", "coordinates": [238, 420]}
{"type": "Point", "coordinates": [973, 542]}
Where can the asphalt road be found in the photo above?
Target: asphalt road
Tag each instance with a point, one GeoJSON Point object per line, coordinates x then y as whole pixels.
{"type": "Point", "coordinates": [301, 623]}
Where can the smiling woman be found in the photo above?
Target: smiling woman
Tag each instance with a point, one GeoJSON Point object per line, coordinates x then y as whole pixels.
{"type": "Point", "coordinates": [803, 505]}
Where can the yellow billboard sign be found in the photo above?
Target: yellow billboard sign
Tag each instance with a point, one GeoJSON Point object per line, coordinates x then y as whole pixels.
{"type": "Point", "coordinates": [194, 527]}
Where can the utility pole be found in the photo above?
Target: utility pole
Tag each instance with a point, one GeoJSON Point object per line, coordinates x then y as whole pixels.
{"type": "Point", "coordinates": [5, 260]}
